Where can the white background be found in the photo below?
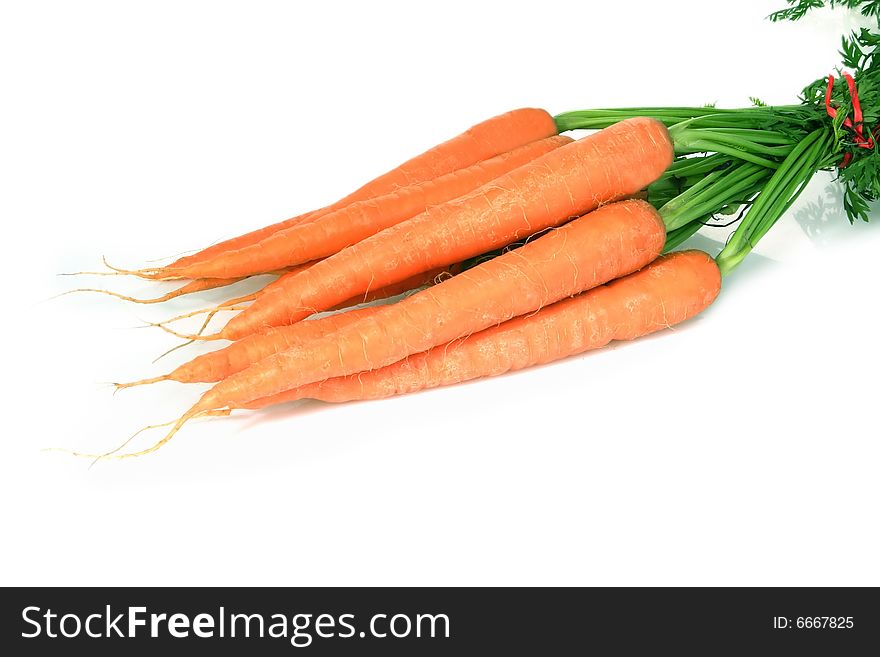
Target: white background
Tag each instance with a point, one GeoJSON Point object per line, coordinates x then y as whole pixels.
{"type": "Point", "coordinates": [740, 448]}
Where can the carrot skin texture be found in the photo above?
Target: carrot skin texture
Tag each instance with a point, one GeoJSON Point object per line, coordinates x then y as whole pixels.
{"type": "Point", "coordinates": [328, 233]}
{"type": "Point", "coordinates": [486, 139]}
{"type": "Point", "coordinates": [613, 241]}
{"type": "Point", "coordinates": [418, 280]}
{"type": "Point", "coordinates": [431, 277]}
{"type": "Point", "coordinates": [667, 292]}
{"type": "Point", "coordinates": [499, 134]}
{"type": "Point", "coordinates": [237, 242]}
{"type": "Point", "coordinates": [192, 287]}
{"type": "Point", "coordinates": [217, 365]}
{"type": "Point", "coordinates": [427, 278]}
{"type": "Point", "coordinates": [567, 182]}
{"type": "Point", "coordinates": [212, 283]}
{"type": "Point", "coordinates": [375, 294]}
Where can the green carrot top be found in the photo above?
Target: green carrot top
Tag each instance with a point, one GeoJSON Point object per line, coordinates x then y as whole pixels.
{"type": "Point", "coordinates": [754, 162]}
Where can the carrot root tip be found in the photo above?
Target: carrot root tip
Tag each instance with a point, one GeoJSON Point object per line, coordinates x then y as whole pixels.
{"type": "Point", "coordinates": [151, 273]}
{"type": "Point", "coordinates": [178, 424]}
{"type": "Point", "coordinates": [124, 297]}
{"type": "Point", "coordinates": [185, 336]}
{"type": "Point", "coordinates": [142, 382]}
{"type": "Point", "coordinates": [211, 312]}
{"type": "Point", "coordinates": [113, 454]}
{"type": "Point", "coordinates": [172, 350]}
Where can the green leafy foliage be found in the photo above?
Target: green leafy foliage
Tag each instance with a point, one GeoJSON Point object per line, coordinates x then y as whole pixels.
{"type": "Point", "coordinates": [756, 161]}
{"type": "Point", "coordinates": [861, 177]}
{"type": "Point", "coordinates": [850, 52]}
{"type": "Point", "coordinates": [797, 10]}
{"type": "Point", "coordinates": [855, 204]}
{"type": "Point", "coordinates": [800, 8]}
{"type": "Point", "coordinates": [829, 136]}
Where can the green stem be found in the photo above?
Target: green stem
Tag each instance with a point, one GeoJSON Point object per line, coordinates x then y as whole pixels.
{"type": "Point", "coordinates": [695, 166]}
{"type": "Point", "coordinates": [763, 154]}
{"type": "Point", "coordinates": [778, 194]}
{"type": "Point", "coordinates": [688, 140]}
{"type": "Point", "coordinates": [674, 238]}
{"type": "Point", "coordinates": [757, 136]}
{"type": "Point", "coordinates": [685, 137]}
{"type": "Point", "coordinates": [749, 117]}
{"type": "Point", "coordinates": [712, 194]}
{"type": "Point", "coordinates": [700, 146]}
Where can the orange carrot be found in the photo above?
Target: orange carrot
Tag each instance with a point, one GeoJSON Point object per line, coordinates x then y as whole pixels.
{"type": "Point", "coordinates": [235, 303]}
{"type": "Point", "coordinates": [422, 279]}
{"type": "Point", "coordinates": [566, 182]}
{"type": "Point", "coordinates": [219, 364]}
{"type": "Point", "coordinates": [323, 236]}
{"type": "Point", "coordinates": [192, 287]}
{"type": "Point", "coordinates": [668, 291]}
{"type": "Point", "coordinates": [613, 241]}
{"type": "Point", "coordinates": [487, 139]}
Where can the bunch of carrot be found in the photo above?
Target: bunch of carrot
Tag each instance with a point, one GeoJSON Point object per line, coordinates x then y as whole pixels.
{"type": "Point", "coordinates": [510, 244]}
{"type": "Point", "coordinates": [516, 246]}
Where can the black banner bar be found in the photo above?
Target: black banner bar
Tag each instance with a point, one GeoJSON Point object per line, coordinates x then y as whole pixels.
{"type": "Point", "coordinates": [419, 621]}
